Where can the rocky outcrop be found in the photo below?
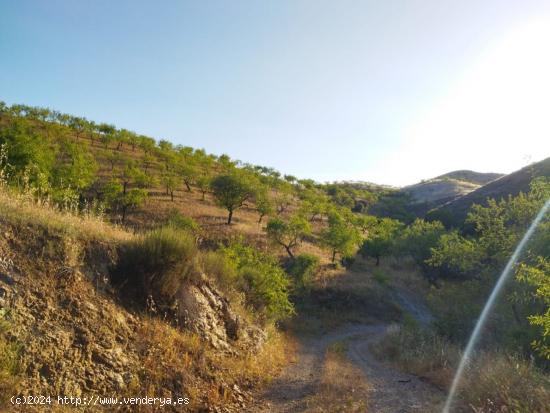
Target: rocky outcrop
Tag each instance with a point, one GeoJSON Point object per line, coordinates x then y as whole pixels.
{"type": "Point", "coordinates": [77, 339]}
{"type": "Point", "coordinates": [204, 310]}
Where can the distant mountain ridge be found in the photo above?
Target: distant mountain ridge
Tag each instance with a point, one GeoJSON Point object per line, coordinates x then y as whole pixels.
{"type": "Point", "coordinates": [510, 184]}
{"type": "Point", "coordinates": [445, 188]}
{"type": "Point", "coordinates": [479, 178]}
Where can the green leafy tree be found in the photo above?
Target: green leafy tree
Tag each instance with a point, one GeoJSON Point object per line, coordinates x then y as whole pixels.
{"type": "Point", "coordinates": [283, 196]}
{"type": "Point", "coordinates": [79, 125]}
{"type": "Point", "coordinates": [340, 237]}
{"type": "Point", "coordinates": [75, 167]}
{"type": "Point", "coordinates": [456, 257]}
{"type": "Point", "coordinates": [418, 239]}
{"type": "Point", "coordinates": [381, 239]}
{"type": "Point", "coordinates": [123, 201]}
{"type": "Point", "coordinates": [147, 161]}
{"type": "Point", "coordinates": [264, 204]}
{"type": "Point", "coordinates": [126, 192]}
{"type": "Point", "coordinates": [302, 270]}
{"type": "Point", "coordinates": [107, 133]}
{"type": "Point", "coordinates": [29, 157]}
{"type": "Point", "coordinates": [203, 184]}
{"type": "Point", "coordinates": [365, 223]}
{"type": "Point", "coordinates": [189, 173]}
{"type": "Point", "coordinates": [289, 233]}
{"type": "Point", "coordinates": [114, 158]}
{"type": "Point", "coordinates": [538, 276]}
{"type": "Point", "coordinates": [170, 181]}
{"type": "Point", "coordinates": [314, 204]}
{"type": "Point", "coordinates": [232, 191]}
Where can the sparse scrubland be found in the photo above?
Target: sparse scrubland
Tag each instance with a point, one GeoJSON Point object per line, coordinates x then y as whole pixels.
{"type": "Point", "coordinates": [138, 267]}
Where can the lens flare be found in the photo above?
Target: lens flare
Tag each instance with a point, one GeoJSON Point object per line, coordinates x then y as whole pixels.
{"type": "Point", "coordinates": [474, 338]}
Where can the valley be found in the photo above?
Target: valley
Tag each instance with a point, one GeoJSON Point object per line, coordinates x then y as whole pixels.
{"type": "Point", "coordinates": [131, 266]}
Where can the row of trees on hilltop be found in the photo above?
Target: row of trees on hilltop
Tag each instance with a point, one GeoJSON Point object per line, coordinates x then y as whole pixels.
{"type": "Point", "coordinates": [72, 160]}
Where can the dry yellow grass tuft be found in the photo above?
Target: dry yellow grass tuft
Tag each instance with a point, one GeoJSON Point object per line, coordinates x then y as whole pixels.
{"type": "Point", "coordinates": [494, 382]}
{"type": "Point", "coordinates": [22, 209]}
{"type": "Point", "coordinates": [175, 362]}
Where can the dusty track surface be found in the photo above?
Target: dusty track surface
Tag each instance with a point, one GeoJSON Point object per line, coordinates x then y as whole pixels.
{"type": "Point", "coordinates": [391, 391]}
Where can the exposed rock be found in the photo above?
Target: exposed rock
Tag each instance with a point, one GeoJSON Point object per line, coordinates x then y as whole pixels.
{"type": "Point", "coordinates": [76, 339]}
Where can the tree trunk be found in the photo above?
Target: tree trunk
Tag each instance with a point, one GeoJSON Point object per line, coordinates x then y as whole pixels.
{"type": "Point", "coordinates": [230, 217]}
{"type": "Point", "coordinates": [377, 260]}
{"type": "Point", "coordinates": [187, 186]}
{"type": "Point", "coordinates": [287, 248]}
{"type": "Point", "coordinates": [203, 195]}
{"type": "Point", "coordinates": [172, 195]}
{"type": "Point", "coordinates": [333, 256]}
{"type": "Point", "coordinates": [261, 217]}
{"type": "Point", "coordinates": [124, 210]}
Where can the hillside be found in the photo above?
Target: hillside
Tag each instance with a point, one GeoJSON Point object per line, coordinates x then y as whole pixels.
{"type": "Point", "coordinates": [449, 186]}
{"type": "Point", "coordinates": [478, 178]}
{"type": "Point", "coordinates": [78, 197]}
{"type": "Point", "coordinates": [136, 267]}
{"type": "Point", "coordinates": [439, 190]}
{"type": "Point", "coordinates": [75, 334]}
{"type": "Point", "coordinates": [416, 200]}
{"type": "Point", "coordinates": [455, 211]}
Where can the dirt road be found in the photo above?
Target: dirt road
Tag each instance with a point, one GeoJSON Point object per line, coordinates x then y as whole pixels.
{"type": "Point", "coordinates": [391, 391]}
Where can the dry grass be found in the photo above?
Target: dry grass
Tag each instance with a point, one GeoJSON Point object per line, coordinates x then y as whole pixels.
{"type": "Point", "coordinates": [170, 360]}
{"type": "Point", "coordinates": [264, 365]}
{"type": "Point", "coordinates": [494, 382]}
{"type": "Point", "coordinates": [343, 387]}
{"type": "Point", "coordinates": [21, 209]}
{"type": "Point", "coordinates": [180, 363]}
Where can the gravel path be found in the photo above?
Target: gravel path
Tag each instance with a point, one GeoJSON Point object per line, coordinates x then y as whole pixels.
{"type": "Point", "coordinates": [391, 391]}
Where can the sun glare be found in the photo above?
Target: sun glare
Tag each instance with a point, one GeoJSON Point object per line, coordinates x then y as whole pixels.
{"type": "Point", "coordinates": [500, 107]}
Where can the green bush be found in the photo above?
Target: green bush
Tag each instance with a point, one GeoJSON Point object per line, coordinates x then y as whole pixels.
{"type": "Point", "coordinates": [380, 276]}
{"type": "Point", "coordinates": [156, 263]}
{"type": "Point", "coordinates": [263, 281]}
{"type": "Point", "coordinates": [302, 270]}
{"type": "Point", "coordinates": [217, 265]}
{"type": "Point", "coordinates": [179, 221]}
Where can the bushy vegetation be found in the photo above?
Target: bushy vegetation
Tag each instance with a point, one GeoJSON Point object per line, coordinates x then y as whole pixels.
{"type": "Point", "coordinates": [495, 381]}
{"type": "Point", "coordinates": [155, 265]}
{"type": "Point", "coordinates": [507, 372]}
{"type": "Point", "coordinates": [302, 269]}
{"type": "Point", "coordinates": [471, 265]}
{"type": "Point", "coordinates": [381, 240]}
{"type": "Point", "coordinates": [177, 220]}
{"type": "Point", "coordinates": [152, 268]}
{"type": "Point", "coordinates": [263, 281]}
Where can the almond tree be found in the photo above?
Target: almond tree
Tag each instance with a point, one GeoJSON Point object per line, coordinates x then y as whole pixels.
{"type": "Point", "coordinates": [232, 191]}
{"type": "Point", "coordinates": [288, 234]}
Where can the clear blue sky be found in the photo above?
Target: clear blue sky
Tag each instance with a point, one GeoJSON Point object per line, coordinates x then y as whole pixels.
{"type": "Point", "coordinates": [385, 91]}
